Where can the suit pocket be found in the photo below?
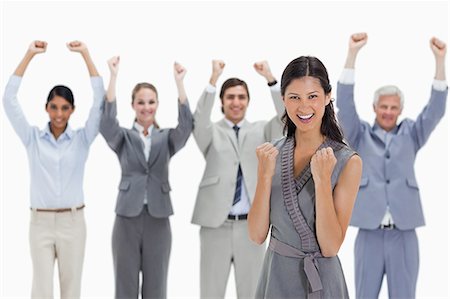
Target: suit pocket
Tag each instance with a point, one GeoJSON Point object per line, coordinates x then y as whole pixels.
{"type": "Point", "coordinates": [364, 182]}
{"type": "Point", "coordinates": [209, 181]}
{"type": "Point", "coordinates": [412, 183]}
{"type": "Point", "coordinates": [165, 187]}
{"type": "Point", "coordinates": [124, 185]}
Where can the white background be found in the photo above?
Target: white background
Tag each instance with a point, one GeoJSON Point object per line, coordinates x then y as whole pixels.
{"type": "Point", "coordinates": [149, 36]}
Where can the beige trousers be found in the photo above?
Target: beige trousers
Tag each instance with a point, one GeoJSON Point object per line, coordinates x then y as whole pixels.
{"type": "Point", "coordinates": [60, 236]}
{"type": "Point", "coordinates": [220, 247]}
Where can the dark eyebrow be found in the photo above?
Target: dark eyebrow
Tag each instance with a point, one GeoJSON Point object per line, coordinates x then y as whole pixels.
{"type": "Point", "coordinates": [313, 92]}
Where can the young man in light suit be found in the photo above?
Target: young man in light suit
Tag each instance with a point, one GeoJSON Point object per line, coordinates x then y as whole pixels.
{"type": "Point", "coordinates": [388, 208]}
{"type": "Point", "coordinates": [229, 181]}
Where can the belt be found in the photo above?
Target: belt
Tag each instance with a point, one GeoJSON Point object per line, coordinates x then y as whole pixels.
{"type": "Point", "coordinates": [388, 226]}
{"type": "Point", "coordinates": [237, 217]}
{"type": "Point", "coordinates": [61, 210]}
{"type": "Point", "coordinates": [309, 264]}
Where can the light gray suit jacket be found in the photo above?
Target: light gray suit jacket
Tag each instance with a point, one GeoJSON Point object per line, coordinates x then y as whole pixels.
{"type": "Point", "coordinates": [223, 154]}
{"type": "Point", "coordinates": [388, 176]}
{"type": "Point", "coordinates": [138, 175]}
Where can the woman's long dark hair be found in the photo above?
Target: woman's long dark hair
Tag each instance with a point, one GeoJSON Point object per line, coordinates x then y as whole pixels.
{"type": "Point", "coordinates": [312, 67]}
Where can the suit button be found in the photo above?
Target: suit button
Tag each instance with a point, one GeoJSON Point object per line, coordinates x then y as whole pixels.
{"type": "Point", "coordinates": [388, 181]}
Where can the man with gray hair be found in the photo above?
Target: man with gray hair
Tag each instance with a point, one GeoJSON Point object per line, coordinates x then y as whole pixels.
{"type": "Point", "coordinates": [388, 208]}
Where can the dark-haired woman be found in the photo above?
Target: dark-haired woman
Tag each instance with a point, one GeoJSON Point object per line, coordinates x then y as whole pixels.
{"type": "Point", "coordinates": [307, 185]}
{"type": "Point", "coordinates": [57, 155]}
{"type": "Point", "coordinates": [141, 239]}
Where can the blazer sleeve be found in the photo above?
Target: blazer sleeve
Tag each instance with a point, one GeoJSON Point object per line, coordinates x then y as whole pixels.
{"type": "Point", "coordinates": [91, 127]}
{"type": "Point", "coordinates": [274, 128]}
{"type": "Point", "coordinates": [347, 115]}
{"type": "Point", "coordinates": [430, 116]}
{"type": "Point", "coordinates": [14, 111]}
{"type": "Point", "coordinates": [109, 126]}
{"type": "Point", "coordinates": [179, 136]}
{"type": "Point", "coordinates": [203, 127]}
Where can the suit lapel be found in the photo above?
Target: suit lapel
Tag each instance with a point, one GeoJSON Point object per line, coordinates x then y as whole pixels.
{"type": "Point", "coordinates": [157, 139]}
{"type": "Point", "coordinates": [231, 135]}
{"type": "Point", "coordinates": [138, 146]}
{"type": "Point", "coordinates": [243, 133]}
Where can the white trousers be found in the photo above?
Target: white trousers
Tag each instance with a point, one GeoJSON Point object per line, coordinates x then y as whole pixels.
{"type": "Point", "coordinates": [220, 247]}
{"type": "Point", "coordinates": [60, 236]}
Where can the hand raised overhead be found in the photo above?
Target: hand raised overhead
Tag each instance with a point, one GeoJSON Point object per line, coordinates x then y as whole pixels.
{"type": "Point", "coordinates": [262, 68]}
{"type": "Point", "coordinates": [179, 71]}
{"type": "Point", "coordinates": [218, 66]}
{"type": "Point", "coordinates": [357, 41]}
{"type": "Point", "coordinates": [113, 64]}
{"type": "Point", "coordinates": [438, 47]}
{"type": "Point", "coordinates": [37, 47]}
{"type": "Point", "coordinates": [77, 46]}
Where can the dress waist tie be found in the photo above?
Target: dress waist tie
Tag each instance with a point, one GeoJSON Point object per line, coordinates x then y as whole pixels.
{"type": "Point", "coordinates": [309, 264]}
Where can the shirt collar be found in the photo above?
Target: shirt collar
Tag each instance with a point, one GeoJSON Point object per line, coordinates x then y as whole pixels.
{"type": "Point", "coordinates": [231, 124]}
{"type": "Point", "coordinates": [68, 132]}
{"type": "Point", "coordinates": [377, 128]}
{"type": "Point", "coordinates": [140, 129]}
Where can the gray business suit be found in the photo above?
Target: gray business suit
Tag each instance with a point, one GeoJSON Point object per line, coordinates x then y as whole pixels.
{"type": "Point", "coordinates": [142, 237]}
{"type": "Point", "coordinates": [388, 179]}
{"type": "Point", "coordinates": [226, 241]}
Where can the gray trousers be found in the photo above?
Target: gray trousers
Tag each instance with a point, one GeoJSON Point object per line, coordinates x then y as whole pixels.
{"type": "Point", "coordinates": [391, 252]}
{"type": "Point", "coordinates": [141, 243]}
{"type": "Point", "coordinates": [219, 248]}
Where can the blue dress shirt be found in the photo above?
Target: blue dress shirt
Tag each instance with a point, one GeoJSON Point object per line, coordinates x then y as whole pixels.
{"type": "Point", "coordinates": [56, 166]}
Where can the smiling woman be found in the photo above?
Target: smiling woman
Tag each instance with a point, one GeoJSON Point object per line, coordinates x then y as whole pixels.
{"type": "Point", "coordinates": [57, 155]}
{"type": "Point", "coordinates": [60, 106]}
{"type": "Point", "coordinates": [306, 194]}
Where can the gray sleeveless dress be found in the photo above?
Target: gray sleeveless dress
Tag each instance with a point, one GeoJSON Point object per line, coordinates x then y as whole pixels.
{"type": "Point", "coordinates": [293, 266]}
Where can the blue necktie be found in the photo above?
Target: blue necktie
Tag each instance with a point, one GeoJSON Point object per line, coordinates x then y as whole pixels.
{"type": "Point", "coordinates": [237, 192]}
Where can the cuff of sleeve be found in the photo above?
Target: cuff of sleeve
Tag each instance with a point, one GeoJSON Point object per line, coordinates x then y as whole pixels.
{"type": "Point", "coordinates": [275, 87]}
{"type": "Point", "coordinates": [440, 85]}
{"type": "Point", "coordinates": [15, 80]}
{"type": "Point", "coordinates": [347, 76]}
{"type": "Point", "coordinates": [210, 89]}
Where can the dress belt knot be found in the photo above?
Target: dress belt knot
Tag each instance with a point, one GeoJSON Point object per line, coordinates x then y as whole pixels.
{"type": "Point", "coordinates": [309, 264]}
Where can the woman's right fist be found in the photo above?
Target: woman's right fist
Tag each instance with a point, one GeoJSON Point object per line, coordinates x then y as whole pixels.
{"type": "Point", "coordinates": [267, 157]}
{"type": "Point", "coordinates": [37, 46]}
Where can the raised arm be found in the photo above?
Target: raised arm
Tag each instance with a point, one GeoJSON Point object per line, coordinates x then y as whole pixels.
{"type": "Point", "coordinates": [356, 42]}
{"type": "Point", "coordinates": [435, 108]}
{"type": "Point", "coordinates": [334, 207]}
{"type": "Point", "coordinates": [109, 125]}
{"type": "Point", "coordinates": [179, 135]}
{"type": "Point", "coordinates": [259, 215]}
{"type": "Point", "coordinates": [347, 115]}
{"type": "Point", "coordinates": [113, 65]}
{"type": "Point", "coordinates": [202, 114]}
{"type": "Point", "coordinates": [92, 123]}
{"type": "Point", "coordinates": [439, 49]}
{"type": "Point", "coordinates": [36, 47]}
{"type": "Point", "coordinates": [10, 102]}
{"type": "Point", "coordinates": [262, 68]}
{"type": "Point", "coordinates": [80, 47]}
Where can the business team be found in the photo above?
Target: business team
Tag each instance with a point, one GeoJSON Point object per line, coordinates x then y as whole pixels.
{"type": "Point", "coordinates": [304, 196]}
